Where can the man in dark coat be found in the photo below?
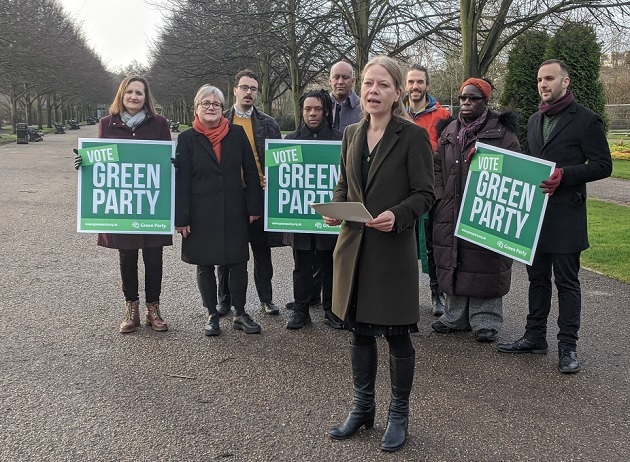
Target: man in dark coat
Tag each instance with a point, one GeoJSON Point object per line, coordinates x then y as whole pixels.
{"type": "Point", "coordinates": [573, 137]}
{"type": "Point", "coordinates": [258, 126]}
{"type": "Point", "coordinates": [312, 252]}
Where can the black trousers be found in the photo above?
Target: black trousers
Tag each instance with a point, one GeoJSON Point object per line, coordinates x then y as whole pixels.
{"type": "Point", "coordinates": [565, 269]}
{"type": "Point", "coordinates": [263, 267]}
{"type": "Point", "coordinates": [128, 260]}
{"type": "Point", "coordinates": [237, 283]}
{"type": "Point", "coordinates": [303, 280]}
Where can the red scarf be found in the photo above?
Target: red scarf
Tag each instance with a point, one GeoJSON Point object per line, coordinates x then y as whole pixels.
{"type": "Point", "coordinates": [558, 105]}
{"type": "Point", "coordinates": [214, 134]}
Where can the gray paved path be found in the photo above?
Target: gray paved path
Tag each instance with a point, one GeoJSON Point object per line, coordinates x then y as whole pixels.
{"type": "Point", "coordinates": [73, 389]}
{"type": "Point", "coordinates": [610, 189]}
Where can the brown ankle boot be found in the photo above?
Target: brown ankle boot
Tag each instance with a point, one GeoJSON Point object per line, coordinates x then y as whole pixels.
{"type": "Point", "coordinates": [132, 318]}
{"type": "Point", "coordinates": [154, 318]}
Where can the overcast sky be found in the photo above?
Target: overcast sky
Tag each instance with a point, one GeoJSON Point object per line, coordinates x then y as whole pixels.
{"type": "Point", "coordinates": [119, 31]}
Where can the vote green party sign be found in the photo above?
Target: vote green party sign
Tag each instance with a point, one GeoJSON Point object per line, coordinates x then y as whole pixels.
{"type": "Point", "coordinates": [299, 173]}
{"type": "Point", "coordinates": [126, 186]}
{"type": "Point", "coordinates": [503, 207]}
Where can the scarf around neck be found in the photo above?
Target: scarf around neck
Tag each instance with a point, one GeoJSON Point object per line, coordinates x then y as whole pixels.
{"type": "Point", "coordinates": [558, 105]}
{"type": "Point", "coordinates": [133, 121]}
{"type": "Point", "coordinates": [215, 134]}
{"type": "Point", "coordinates": [468, 132]}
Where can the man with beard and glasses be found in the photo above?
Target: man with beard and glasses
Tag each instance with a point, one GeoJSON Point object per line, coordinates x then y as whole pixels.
{"type": "Point", "coordinates": [426, 112]}
{"type": "Point", "coordinates": [258, 127]}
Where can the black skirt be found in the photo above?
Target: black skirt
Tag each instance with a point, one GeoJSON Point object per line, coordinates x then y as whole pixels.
{"type": "Point", "coordinates": [375, 330]}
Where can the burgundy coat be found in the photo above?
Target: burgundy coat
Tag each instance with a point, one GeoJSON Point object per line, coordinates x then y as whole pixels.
{"type": "Point", "coordinates": [152, 128]}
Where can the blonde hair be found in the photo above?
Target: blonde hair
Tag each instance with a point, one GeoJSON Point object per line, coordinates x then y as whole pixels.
{"type": "Point", "coordinates": [395, 71]}
{"type": "Point", "coordinates": [118, 106]}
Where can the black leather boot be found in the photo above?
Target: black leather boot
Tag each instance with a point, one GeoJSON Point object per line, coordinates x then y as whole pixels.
{"type": "Point", "coordinates": [364, 361]}
{"type": "Point", "coordinates": [401, 372]}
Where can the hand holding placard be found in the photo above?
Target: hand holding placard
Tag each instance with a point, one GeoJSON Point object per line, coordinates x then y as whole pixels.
{"type": "Point", "coordinates": [549, 186]}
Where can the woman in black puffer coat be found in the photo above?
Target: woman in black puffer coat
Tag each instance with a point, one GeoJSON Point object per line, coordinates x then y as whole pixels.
{"type": "Point", "coordinates": [474, 279]}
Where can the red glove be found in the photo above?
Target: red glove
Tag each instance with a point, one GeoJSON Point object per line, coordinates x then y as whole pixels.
{"type": "Point", "coordinates": [470, 154]}
{"type": "Point", "coordinates": [549, 186]}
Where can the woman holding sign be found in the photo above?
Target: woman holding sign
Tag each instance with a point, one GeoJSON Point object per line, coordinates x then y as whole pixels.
{"type": "Point", "coordinates": [217, 194]}
{"type": "Point", "coordinates": [386, 164]}
{"type": "Point", "coordinates": [133, 116]}
{"type": "Point", "coordinates": [474, 279]}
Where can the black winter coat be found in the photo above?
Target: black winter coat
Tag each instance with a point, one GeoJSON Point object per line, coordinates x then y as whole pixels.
{"type": "Point", "coordinates": [210, 197]}
{"type": "Point", "coordinates": [464, 268]}
{"type": "Point", "coordinates": [265, 128]}
{"type": "Point", "coordinates": [578, 145]}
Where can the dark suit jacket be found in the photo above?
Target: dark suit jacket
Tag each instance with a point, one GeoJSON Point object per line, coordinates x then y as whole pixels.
{"type": "Point", "coordinates": [578, 145]}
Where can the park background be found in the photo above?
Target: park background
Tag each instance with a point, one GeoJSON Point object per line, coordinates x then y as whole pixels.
{"type": "Point", "coordinates": [75, 389]}
{"type": "Point", "coordinates": [49, 72]}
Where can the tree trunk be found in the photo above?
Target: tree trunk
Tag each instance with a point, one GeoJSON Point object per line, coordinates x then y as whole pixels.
{"type": "Point", "coordinates": [265, 84]}
{"type": "Point", "coordinates": [14, 118]}
{"type": "Point", "coordinates": [48, 111]}
{"type": "Point", "coordinates": [40, 113]}
{"type": "Point", "coordinates": [470, 52]}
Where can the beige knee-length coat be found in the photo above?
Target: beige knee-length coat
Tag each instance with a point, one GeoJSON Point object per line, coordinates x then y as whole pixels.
{"type": "Point", "coordinates": [383, 267]}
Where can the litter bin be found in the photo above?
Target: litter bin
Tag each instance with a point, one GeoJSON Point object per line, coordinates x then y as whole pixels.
{"type": "Point", "coordinates": [21, 130]}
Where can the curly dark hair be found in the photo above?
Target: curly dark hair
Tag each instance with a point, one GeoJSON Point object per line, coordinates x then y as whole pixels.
{"type": "Point", "coordinates": [324, 97]}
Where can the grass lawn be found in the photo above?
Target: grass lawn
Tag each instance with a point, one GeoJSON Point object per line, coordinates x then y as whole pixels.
{"type": "Point", "coordinates": [608, 234]}
{"type": "Point", "coordinates": [621, 169]}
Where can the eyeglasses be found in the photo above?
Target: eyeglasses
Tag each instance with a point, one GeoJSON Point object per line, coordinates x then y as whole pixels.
{"type": "Point", "coordinates": [472, 99]}
{"type": "Point", "coordinates": [211, 104]}
{"type": "Point", "coordinates": [247, 87]}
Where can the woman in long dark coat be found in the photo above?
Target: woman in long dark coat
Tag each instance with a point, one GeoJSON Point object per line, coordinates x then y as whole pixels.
{"type": "Point", "coordinates": [474, 279]}
{"type": "Point", "coordinates": [386, 164]}
{"type": "Point", "coordinates": [212, 208]}
{"type": "Point", "coordinates": [132, 116]}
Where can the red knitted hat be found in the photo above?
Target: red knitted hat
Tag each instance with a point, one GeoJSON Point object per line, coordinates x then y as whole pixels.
{"type": "Point", "coordinates": [483, 86]}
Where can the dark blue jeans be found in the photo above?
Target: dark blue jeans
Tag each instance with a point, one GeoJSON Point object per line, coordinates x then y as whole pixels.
{"type": "Point", "coordinates": [565, 269]}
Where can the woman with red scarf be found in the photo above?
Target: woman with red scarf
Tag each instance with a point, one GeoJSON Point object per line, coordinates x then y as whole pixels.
{"type": "Point", "coordinates": [474, 279]}
{"type": "Point", "coordinates": [217, 194]}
